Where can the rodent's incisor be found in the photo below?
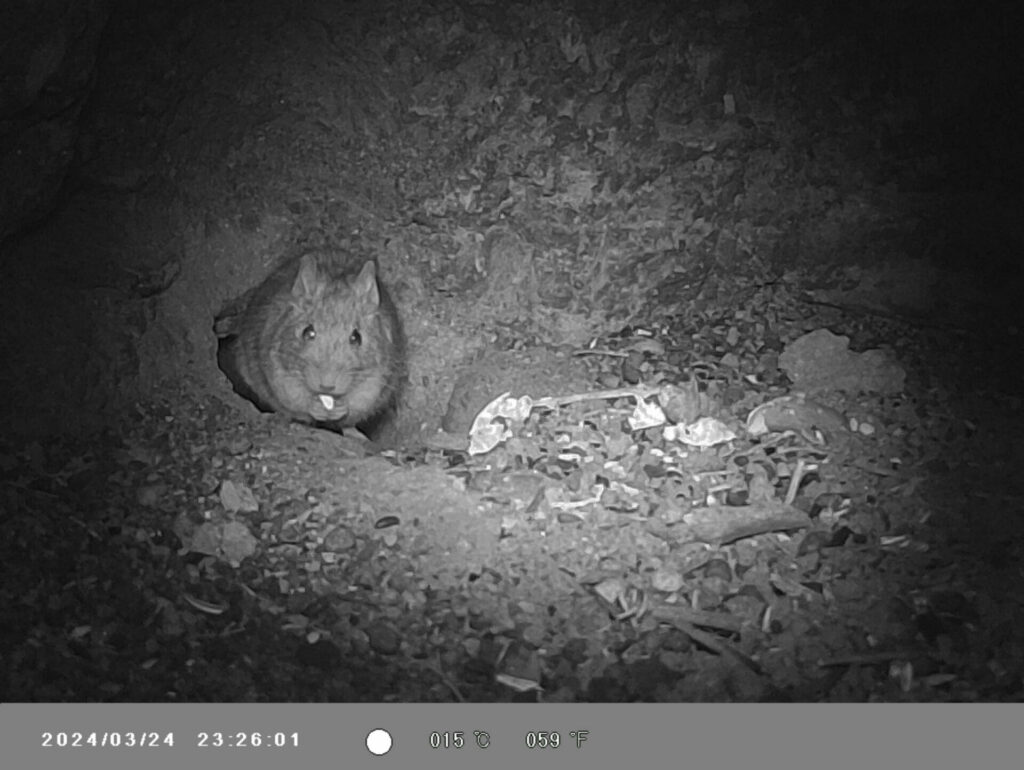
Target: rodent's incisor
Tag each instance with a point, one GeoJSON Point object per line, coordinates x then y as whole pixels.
{"type": "Point", "coordinates": [316, 341]}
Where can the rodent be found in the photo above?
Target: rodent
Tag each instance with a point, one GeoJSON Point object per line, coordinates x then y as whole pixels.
{"type": "Point", "coordinates": [317, 341]}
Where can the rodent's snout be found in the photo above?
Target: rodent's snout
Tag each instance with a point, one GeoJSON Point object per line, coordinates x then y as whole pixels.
{"type": "Point", "coordinates": [332, 382]}
{"type": "Point", "coordinates": [329, 388]}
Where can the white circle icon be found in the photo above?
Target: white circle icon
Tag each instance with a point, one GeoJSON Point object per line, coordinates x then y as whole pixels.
{"type": "Point", "coordinates": [379, 742]}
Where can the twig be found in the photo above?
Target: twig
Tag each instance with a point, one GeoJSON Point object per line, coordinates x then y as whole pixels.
{"type": "Point", "coordinates": [436, 669]}
{"type": "Point", "coordinates": [866, 659]}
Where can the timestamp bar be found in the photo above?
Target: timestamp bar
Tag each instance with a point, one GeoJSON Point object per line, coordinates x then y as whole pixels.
{"type": "Point", "coordinates": [521, 736]}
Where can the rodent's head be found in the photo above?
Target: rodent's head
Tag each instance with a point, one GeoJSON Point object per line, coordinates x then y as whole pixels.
{"type": "Point", "coordinates": [338, 346]}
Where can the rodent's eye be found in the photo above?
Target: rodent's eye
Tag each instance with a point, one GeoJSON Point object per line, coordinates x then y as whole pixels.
{"type": "Point", "coordinates": [355, 337]}
{"type": "Point", "coordinates": [309, 333]}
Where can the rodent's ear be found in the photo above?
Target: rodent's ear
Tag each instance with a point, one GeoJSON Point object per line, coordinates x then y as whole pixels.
{"type": "Point", "coordinates": [365, 284]}
{"type": "Point", "coordinates": [307, 281]}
